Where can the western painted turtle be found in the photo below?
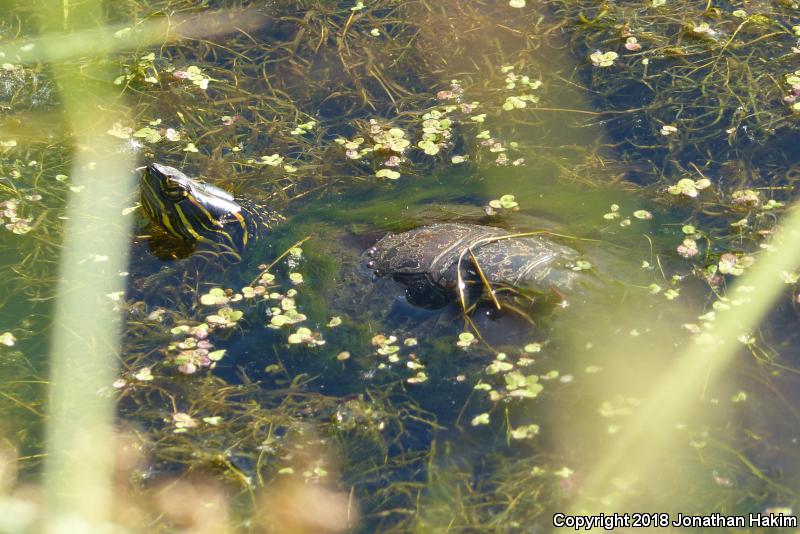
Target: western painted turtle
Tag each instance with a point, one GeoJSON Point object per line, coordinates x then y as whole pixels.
{"type": "Point", "coordinates": [432, 260]}
{"type": "Point", "coordinates": [193, 211]}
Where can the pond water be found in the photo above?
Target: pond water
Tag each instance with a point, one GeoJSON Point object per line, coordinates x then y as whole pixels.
{"type": "Point", "coordinates": [294, 390]}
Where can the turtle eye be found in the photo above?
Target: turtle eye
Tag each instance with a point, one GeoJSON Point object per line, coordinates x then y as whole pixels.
{"type": "Point", "coordinates": [174, 192]}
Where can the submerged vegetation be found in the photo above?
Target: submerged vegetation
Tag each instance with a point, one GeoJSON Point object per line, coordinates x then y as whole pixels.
{"type": "Point", "coordinates": [290, 392]}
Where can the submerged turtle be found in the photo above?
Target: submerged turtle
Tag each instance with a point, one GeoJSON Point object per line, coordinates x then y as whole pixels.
{"type": "Point", "coordinates": [430, 261]}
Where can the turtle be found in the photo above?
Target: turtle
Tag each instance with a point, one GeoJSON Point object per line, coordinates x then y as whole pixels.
{"type": "Point", "coordinates": [430, 261]}
{"type": "Point", "coordinates": [434, 261]}
{"type": "Point", "coordinates": [192, 211]}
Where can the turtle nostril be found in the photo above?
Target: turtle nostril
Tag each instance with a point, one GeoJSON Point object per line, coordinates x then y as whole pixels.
{"type": "Point", "coordinates": [372, 251]}
{"type": "Point", "coordinates": [371, 264]}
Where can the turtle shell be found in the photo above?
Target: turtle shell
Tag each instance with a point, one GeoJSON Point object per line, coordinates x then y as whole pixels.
{"type": "Point", "coordinates": [431, 256]}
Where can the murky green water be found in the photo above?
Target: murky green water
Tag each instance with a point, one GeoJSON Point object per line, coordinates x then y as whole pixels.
{"type": "Point", "coordinates": [627, 396]}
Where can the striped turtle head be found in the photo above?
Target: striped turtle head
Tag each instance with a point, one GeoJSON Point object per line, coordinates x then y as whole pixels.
{"type": "Point", "coordinates": [191, 209]}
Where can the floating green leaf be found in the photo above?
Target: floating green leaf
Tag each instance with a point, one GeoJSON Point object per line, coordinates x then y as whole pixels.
{"type": "Point", "coordinates": [533, 347]}
{"type": "Point", "coordinates": [581, 265]}
{"type": "Point", "coordinates": [603, 59]}
{"type": "Point", "coordinates": [7, 339]}
{"type": "Point", "coordinates": [498, 366]}
{"type": "Point", "coordinates": [150, 135]}
{"type": "Point", "coordinates": [465, 339]}
{"type": "Point", "coordinates": [688, 187]}
{"type": "Point", "coordinates": [216, 355]}
{"type": "Point", "coordinates": [144, 375]}
{"type": "Point", "coordinates": [525, 432]}
{"type": "Point", "coordinates": [214, 297]}
{"type": "Point", "coordinates": [388, 173]}
{"type": "Point", "coordinates": [481, 419]}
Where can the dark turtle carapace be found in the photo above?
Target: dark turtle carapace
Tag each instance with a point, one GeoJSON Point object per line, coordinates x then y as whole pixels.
{"type": "Point", "coordinates": [428, 260]}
